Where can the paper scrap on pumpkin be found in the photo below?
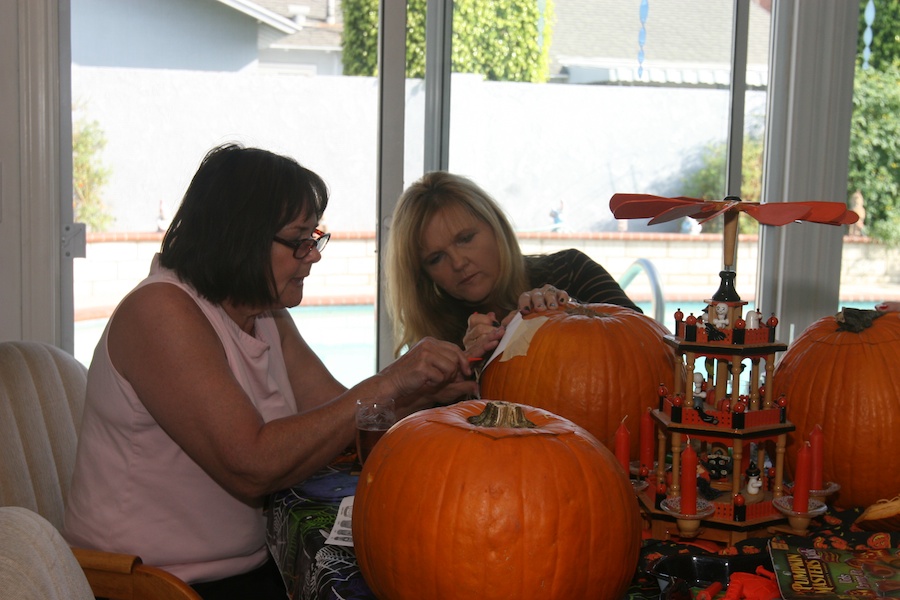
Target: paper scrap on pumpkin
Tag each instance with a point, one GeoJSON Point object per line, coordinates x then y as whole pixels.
{"type": "Point", "coordinates": [521, 338]}
{"type": "Point", "coordinates": [510, 331]}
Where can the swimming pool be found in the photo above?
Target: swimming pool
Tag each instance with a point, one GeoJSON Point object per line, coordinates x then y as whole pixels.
{"type": "Point", "coordinates": [344, 336]}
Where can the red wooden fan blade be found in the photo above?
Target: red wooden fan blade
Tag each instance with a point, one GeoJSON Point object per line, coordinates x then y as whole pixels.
{"type": "Point", "coordinates": [720, 208]}
{"type": "Point", "coordinates": [783, 213]}
{"type": "Point", "coordinates": [848, 218]}
{"type": "Point", "coordinates": [645, 206]}
{"type": "Point", "coordinates": [685, 210]}
{"type": "Point", "coordinates": [777, 213]}
{"type": "Point", "coordinates": [660, 209]}
{"type": "Point", "coordinates": [829, 213]}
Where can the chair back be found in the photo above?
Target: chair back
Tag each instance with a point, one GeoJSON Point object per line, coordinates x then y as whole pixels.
{"type": "Point", "coordinates": [41, 400]}
{"type": "Point", "coordinates": [42, 391]}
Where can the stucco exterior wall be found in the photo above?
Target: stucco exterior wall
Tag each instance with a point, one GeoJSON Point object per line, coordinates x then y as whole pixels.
{"type": "Point", "coordinates": [531, 146]}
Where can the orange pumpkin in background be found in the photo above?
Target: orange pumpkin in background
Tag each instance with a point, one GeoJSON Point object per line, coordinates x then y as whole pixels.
{"type": "Point", "coordinates": [593, 364]}
{"type": "Point", "coordinates": [491, 500]}
{"type": "Point", "coordinates": [840, 373]}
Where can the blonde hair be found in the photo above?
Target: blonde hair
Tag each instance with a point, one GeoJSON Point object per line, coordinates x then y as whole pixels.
{"type": "Point", "coordinates": [416, 305]}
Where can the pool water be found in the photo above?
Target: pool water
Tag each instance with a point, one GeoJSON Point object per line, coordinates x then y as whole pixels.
{"type": "Point", "coordinates": [344, 336]}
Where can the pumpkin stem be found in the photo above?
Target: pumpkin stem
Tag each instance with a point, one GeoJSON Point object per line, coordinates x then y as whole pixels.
{"type": "Point", "coordinates": [580, 309]}
{"type": "Point", "coordinates": [855, 319]}
{"type": "Point", "coordinates": [497, 413]}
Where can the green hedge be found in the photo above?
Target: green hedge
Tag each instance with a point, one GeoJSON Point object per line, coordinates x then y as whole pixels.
{"type": "Point", "coordinates": [503, 40]}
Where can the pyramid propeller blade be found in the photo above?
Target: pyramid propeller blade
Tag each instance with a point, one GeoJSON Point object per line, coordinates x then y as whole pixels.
{"type": "Point", "coordinates": [677, 212]}
{"type": "Point", "coordinates": [645, 206]}
{"type": "Point", "coordinates": [721, 207]}
{"type": "Point", "coordinates": [777, 213]}
{"type": "Point", "coordinates": [829, 213]}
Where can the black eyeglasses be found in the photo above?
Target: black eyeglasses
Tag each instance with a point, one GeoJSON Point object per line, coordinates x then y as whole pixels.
{"type": "Point", "coordinates": [302, 247]}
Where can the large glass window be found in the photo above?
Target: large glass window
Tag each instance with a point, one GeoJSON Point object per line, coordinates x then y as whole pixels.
{"type": "Point", "coordinates": [614, 97]}
{"type": "Point", "coordinates": [869, 260]}
{"type": "Point", "coordinates": [638, 101]}
{"type": "Point", "coordinates": [155, 85]}
{"type": "Point", "coordinates": [552, 112]}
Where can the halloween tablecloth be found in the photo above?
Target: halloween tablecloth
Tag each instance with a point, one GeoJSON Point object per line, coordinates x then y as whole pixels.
{"type": "Point", "coordinates": [300, 518]}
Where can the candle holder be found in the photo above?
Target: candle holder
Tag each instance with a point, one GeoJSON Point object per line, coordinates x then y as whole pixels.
{"type": "Point", "coordinates": [688, 525]}
{"type": "Point", "coordinates": [799, 521]}
{"type": "Point", "coordinates": [634, 467]}
{"type": "Point", "coordinates": [822, 495]}
{"type": "Point", "coordinates": [639, 485]}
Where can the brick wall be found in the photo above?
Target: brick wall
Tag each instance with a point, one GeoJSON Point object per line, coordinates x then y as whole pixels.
{"type": "Point", "coordinates": [688, 266]}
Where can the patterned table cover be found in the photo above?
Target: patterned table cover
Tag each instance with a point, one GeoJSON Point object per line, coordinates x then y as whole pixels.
{"type": "Point", "coordinates": [299, 520]}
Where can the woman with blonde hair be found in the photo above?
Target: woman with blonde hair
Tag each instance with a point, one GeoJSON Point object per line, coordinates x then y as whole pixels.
{"type": "Point", "coordinates": [454, 268]}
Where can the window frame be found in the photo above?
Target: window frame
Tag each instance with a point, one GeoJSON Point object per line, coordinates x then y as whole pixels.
{"type": "Point", "coordinates": [812, 67]}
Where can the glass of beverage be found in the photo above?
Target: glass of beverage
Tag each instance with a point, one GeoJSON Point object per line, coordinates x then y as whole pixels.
{"type": "Point", "coordinates": [374, 416]}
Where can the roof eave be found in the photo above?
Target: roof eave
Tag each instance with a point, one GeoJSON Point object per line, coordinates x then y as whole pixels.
{"type": "Point", "coordinates": [265, 16]}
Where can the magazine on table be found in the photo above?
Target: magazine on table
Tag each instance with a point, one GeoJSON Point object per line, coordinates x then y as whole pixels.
{"type": "Point", "coordinates": [808, 572]}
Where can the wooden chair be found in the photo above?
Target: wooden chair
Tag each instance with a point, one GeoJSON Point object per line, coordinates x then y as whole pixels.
{"type": "Point", "coordinates": [125, 577]}
{"type": "Point", "coordinates": [41, 400]}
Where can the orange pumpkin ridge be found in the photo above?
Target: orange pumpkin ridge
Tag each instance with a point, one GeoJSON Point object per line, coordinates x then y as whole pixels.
{"type": "Point", "coordinates": [593, 364]}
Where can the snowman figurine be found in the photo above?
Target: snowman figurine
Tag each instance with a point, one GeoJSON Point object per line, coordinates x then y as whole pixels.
{"type": "Point", "coordinates": [753, 492]}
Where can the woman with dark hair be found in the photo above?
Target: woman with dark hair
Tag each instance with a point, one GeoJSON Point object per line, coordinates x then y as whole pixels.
{"type": "Point", "coordinates": [202, 396]}
{"type": "Point", "coordinates": [455, 269]}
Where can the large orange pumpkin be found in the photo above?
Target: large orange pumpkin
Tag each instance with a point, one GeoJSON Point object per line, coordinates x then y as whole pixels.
{"type": "Point", "coordinates": [845, 381]}
{"type": "Point", "coordinates": [448, 508]}
{"type": "Point", "coordinates": [592, 364]}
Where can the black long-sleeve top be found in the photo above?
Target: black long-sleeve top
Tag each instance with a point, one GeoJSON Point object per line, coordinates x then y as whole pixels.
{"type": "Point", "coordinates": [575, 272]}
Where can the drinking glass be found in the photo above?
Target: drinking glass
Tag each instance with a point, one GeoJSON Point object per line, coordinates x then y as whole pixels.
{"type": "Point", "coordinates": [374, 416]}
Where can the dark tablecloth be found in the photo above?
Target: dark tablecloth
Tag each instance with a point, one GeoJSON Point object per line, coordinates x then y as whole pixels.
{"type": "Point", "coordinates": [299, 520]}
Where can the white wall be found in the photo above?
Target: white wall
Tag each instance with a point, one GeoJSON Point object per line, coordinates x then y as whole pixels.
{"type": "Point", "coordinates": [178, 34]}
{"type": "Point", "coordinates": [528, 145]}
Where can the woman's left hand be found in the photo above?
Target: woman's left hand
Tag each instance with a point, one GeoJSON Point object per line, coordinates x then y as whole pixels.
{"type": "Point", "coordinates": [542, 298]}
{"type": "Point", "coordinates": [483, 333]}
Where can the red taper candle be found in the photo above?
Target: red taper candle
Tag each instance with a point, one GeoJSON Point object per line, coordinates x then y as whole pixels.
{"type": "Point", "coordinates": [816, 438]}
{"type": "Point", "coordinates": [623, 447]}
{"type": "Point", "coordinates": [688, 480]}
{"type": "Point", "coordinates": [801, 479]}
{"type": "Point", "coordinates": [648, 441]}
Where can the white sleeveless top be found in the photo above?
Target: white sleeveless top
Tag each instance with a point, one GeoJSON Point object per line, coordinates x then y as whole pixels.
{"type": "Point", "coordinates": [135, 491]}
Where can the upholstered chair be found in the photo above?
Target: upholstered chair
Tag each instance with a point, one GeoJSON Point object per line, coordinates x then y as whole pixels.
{"type": "Point", "coordinates": [41, 400]}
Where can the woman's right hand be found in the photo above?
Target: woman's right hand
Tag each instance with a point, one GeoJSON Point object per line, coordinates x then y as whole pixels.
{"type": "Point", "coordinates": [433, 368]}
